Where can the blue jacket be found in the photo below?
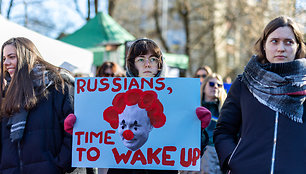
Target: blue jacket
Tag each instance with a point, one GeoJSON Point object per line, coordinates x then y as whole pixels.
{"type": "Point", "coordinates": [45, 147]}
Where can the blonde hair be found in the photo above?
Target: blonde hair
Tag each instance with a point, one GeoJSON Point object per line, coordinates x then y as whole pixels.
{"type": "Point", "coordinates": [222, 94]}
{"type": "Point", "coordinates": [206, 68]}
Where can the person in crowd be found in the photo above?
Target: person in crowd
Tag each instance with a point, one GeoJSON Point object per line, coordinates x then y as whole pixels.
{"type": "Point", "coordinates": [79, 74]}
{"type": "Point", "coordinates": [36, 98]}
{"type": "Point", "coordinates": [202, 72]}
{"type": "Point", "coordinates": [261, 127]}
{"type": "Point", "coordinates": [227, 82]}
{"type": "Point", "coordinates": [212, 97]}
{"type": "Point", "coordinates": [109, 69]}
{"type": "Point", "coordinates": [145, 59]}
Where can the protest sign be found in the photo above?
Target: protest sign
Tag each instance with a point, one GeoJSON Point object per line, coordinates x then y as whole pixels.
{"type": "Point", "coordinates": [140, 123]}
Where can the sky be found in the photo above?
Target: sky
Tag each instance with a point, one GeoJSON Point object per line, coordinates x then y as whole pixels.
{"type": "Point", "coordinates": [61, 11]}
{"type": "Point", "coordinates": [64, 15]}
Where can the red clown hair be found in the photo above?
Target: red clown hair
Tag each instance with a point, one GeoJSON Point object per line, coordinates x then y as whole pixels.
{"type": "Point", "coordinates": [145, 99]}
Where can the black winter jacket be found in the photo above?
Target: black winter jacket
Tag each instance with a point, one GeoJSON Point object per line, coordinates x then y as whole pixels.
{"type": "Point", "coordinates": [251, 151]}
{"type": "Point", "coordinates": [45, 147]}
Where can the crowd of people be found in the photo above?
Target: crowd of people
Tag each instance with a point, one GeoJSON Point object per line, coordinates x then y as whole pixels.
{"type": "Point", "coordinates": [253, 125]}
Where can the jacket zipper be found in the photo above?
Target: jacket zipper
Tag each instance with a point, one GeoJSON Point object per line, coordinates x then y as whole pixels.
{"type": "Point", "coordinates": [234, 152]}
{"type": "Point", "coordinates": [274, 143]}
{"type": "Point", "coordinates": [20, 161]}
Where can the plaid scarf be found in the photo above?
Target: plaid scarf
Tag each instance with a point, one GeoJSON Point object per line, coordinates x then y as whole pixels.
{"type": "Point", "coordinates": [279, 86]}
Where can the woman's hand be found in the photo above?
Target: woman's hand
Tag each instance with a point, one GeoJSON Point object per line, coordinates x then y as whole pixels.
{"type": "Point", "coordinates": [69, 122]}
{"type": "Point", "coordinates": [204, 116]}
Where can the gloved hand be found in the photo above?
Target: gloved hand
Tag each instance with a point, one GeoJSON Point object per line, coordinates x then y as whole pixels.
{"type": "Point", "coordinates": [204, 116]}
{"type": "Point", "coordinates": [69, 122]}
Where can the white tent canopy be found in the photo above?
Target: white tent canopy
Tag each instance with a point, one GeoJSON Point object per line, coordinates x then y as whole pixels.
{"type": "Point", "coordinates": [56, 52]}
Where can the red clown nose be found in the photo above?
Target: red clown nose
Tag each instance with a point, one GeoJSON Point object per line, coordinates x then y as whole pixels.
{"type": "Point", "coordinates": [128, 135]}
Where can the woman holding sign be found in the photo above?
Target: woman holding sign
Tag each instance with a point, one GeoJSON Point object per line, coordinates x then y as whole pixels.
{"type": "Point", "coordinates": [36, 98]}
{"type": "Point", "coordinates": [261, 127]}
{"type": "Point", "coordinates": [145, 59]}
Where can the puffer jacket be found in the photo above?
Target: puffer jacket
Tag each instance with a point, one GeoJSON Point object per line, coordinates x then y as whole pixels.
{"type": "Point", "coordinates": [45, 147]}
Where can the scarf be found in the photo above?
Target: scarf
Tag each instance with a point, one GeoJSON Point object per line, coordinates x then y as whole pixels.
{"type": "Point", "coordinates": [17, 122]}
{"type": "Point", "coordinates": [279, 86]}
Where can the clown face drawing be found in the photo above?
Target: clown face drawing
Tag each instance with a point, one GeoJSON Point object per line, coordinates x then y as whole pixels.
{"type": "Point", "coordinates": [134, 114]}
{"type": "Point", "coordinates": [134, 127]}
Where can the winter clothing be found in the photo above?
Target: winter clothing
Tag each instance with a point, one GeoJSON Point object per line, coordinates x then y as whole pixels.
{"type": "Point", "coordinates": [69, 122]}
{"type": "Point", "coordinates": [269, 141]}
{"type": "Point", "coordinates": [213, 107]}
{"type": "Point", "coordinates": [204, 116]}
{"type": "Point", "coordinates": [44, 146]}
{"type": "Point", "coordinates": [210, 162]}
{"type": "Point", "coordinates": [17, 125]}
{"type": "Point", "coordinates": [269, 82]}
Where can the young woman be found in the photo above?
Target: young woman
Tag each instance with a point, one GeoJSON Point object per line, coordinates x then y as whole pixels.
{"type": "Point", "coordinates": [202, 72]}
{"type": "Point", "coordinates": [109, 69]}
{"type": "Point", "coordinates": [36, 98]}
{"type": "Point", "coordinates": [145, 59]}
{"type": "Point", "coordinates": [261, 128]}
{"type": "Point", "coordinates": [213, 96]}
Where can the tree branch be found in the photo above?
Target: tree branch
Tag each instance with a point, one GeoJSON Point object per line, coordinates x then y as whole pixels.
{"type": "Point", "coordinates": [9, 9]}
{"type": "Point", "coordinates": [157, 26]}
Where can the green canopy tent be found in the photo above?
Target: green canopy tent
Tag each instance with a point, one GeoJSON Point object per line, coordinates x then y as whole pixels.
{"type": "Point", "coordinates": [96, 34]}
{"type": "Point", "coordinates": [103, 31]}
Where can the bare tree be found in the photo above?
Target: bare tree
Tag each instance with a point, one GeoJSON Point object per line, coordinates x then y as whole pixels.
{"type": "Point", "coordinates": [88, 10]}
{"type": "Point", "coordinates": [77, 8]}
{"type": "Point", "coordinates": [0, 6]}
{"type": "Point", "coordinates": [96, 6]}
{"type": "Point", "coordinates": [91, 4]}
{"type": "Point", "coordinates": [156, 15]}
{"type": "Point", "coordinates": [111, 7]}
{"type": "Point", "coordinates": [9, 9]}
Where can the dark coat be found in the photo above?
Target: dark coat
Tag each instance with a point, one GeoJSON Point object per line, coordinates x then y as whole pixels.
{"type": "Point", "coordinates": [243, 117]}
{"type": "Point", "coordinates": [45, 147]}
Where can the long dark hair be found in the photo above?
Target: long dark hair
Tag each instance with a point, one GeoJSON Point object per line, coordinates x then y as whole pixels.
{"type": "Point", "coordinates": [282, 21]}
{"type": "Point", "coordinates": [20, 92]}
{"type": "Point", "coordinates": [142, 47]}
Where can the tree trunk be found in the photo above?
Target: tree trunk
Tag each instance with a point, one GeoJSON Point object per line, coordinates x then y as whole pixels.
{"type": "Point", "coordinates": [88, 10]}
{"type": "Point", "coordinates": [9, 9]}
{"type": "Point", "coordinates": [111, 7]}
{"type": "Point", "coordinates": [158, 28]}
{"type": "Point", "coordinates": [0, 6]}
{"type": "Point", "coordinates": [184, 12]}
{"type": "Point", "coordinates": [96, 6]}
{"type": "Point", "coordinates": [77, 8]}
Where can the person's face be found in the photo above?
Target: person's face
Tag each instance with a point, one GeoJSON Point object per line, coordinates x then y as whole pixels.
{"type": "Point", "coordinates": [201, 74]}
{"type": "Point", "coordinates": [10, 59]}
{"type": "Point", "coordinates": [108, 72]}
{"type": "Point", "coordinates": [212, 89]}
{"type": "Point", "coordinates": [147, 65]}
{"type": "Point", "coordinates": [281, 45]}
{"type": "Point", "coordinates": [135, 123]}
